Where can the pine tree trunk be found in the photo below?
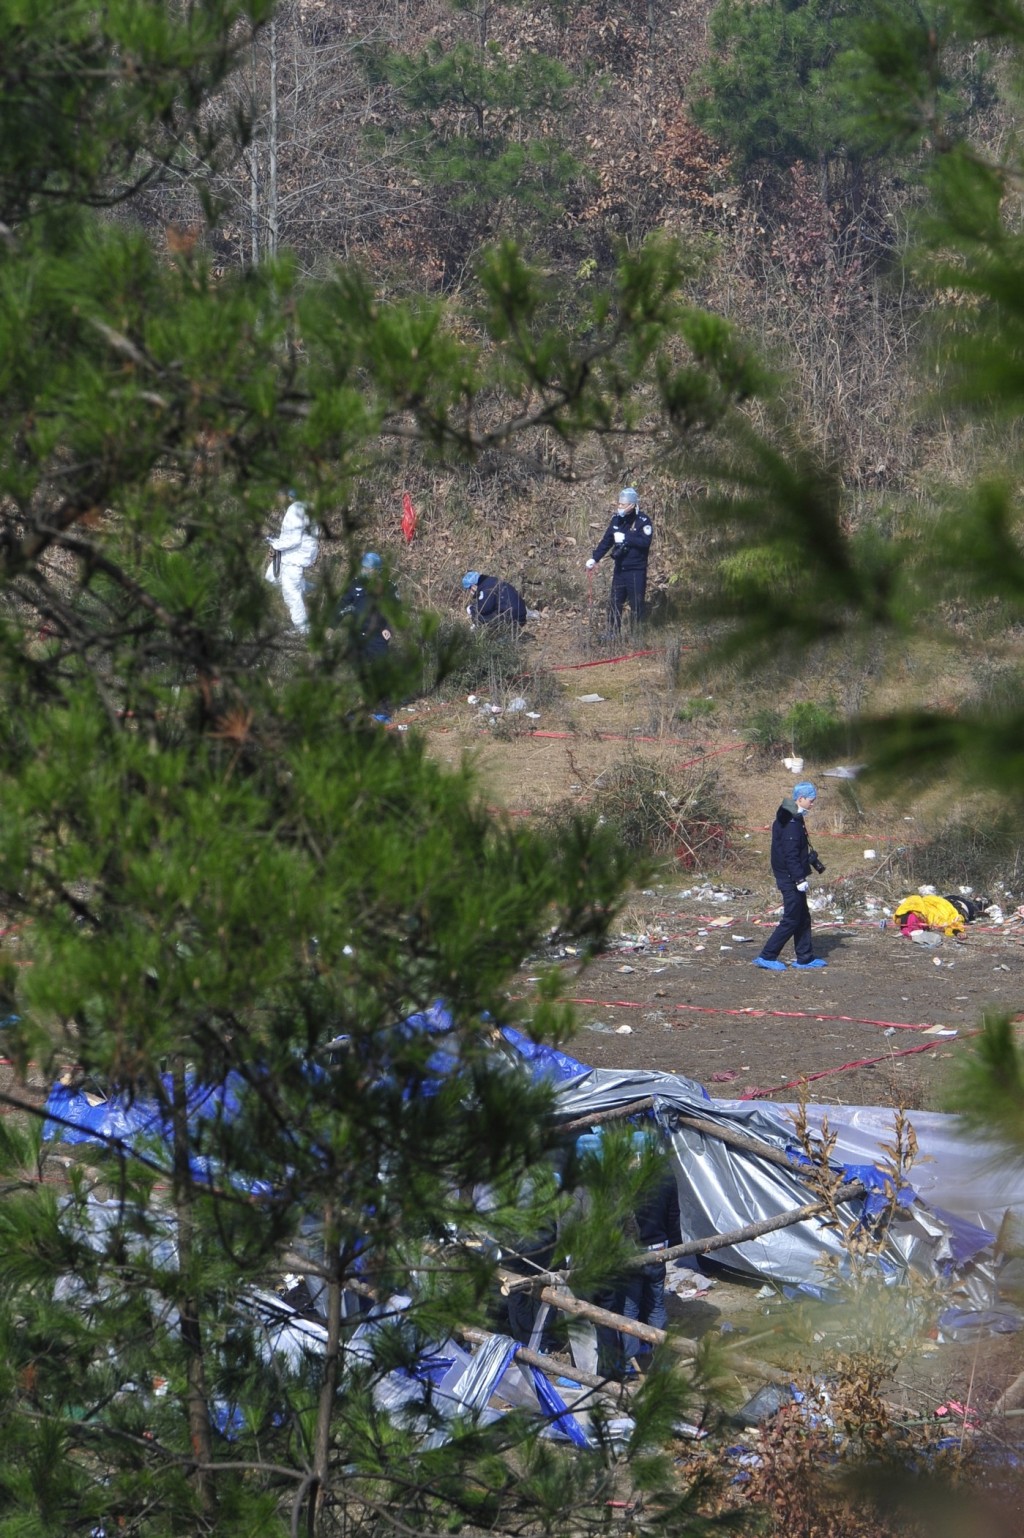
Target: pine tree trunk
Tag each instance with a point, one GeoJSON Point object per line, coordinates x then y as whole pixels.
{"type": "Point", "coordinates": [200, 1438]}
{"type": "Point", "coordinates": [332, 1363]}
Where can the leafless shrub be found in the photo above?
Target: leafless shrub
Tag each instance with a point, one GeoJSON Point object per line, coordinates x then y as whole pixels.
{"type": "Point", "coordinates": [841, 1461]}
{"type": "Point", "coordinates": [973, 849]}
{"type": "Point", "coordinates": [657, 811]}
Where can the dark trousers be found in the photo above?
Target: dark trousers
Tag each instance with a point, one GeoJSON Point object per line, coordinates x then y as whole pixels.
{"type": "Point", "coordinates": [640, 1296]}
{"type": "Point", "coordinates": [627, 587]}
{"type": "Point", "coordinates": [523, 1313]}
{"type": "Point", "coordinates": [795, 924]}
{"type": "Point", "coordinates": [644, 1299]}
{"type": "Point", "coordinates": [611, 1344]}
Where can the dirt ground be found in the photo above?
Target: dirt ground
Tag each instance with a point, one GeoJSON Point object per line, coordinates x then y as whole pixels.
{"type": "Point", "coordinates": [883, 1024]}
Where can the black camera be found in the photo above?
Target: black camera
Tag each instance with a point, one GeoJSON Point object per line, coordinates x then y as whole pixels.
{"type": "Point", "coordinates": [815, 863]}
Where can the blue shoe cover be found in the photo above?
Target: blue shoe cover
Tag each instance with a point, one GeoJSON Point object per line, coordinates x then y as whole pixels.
{"type": "Point", "coordinates": [769, 966]}
{"type": "Point", "coordinates": [806, 966]}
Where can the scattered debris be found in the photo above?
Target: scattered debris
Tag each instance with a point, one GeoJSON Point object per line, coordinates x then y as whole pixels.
{"type": "Point", "coordinates": [923, 911]}
{"type": "Point", "coordinates": [745, 1198]}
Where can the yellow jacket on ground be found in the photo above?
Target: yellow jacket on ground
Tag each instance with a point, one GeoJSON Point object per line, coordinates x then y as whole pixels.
{"type": "Point", "coordinates": [936, 912]}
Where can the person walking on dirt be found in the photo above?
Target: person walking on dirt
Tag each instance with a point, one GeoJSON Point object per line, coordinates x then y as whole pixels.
{"type": "Point", "coordinates": [792, 861]}
{"type": "Point", "coordinates": [628, 537]}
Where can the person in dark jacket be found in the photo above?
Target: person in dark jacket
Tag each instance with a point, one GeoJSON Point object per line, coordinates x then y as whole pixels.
{"type": "Point", "coordinates": [360, 607]}
{"type": "Point", "coordinates": [792, 860]}
{"type": "Point", "coordinates": [643, 1292]}
{"type": "Point", "coordinates": [365, 608]}
{"type": "Point", "coordinates": [639, 1293]}
{"type": "Point", "coordinates": [628, 537]}
{"type": "Point", "coordinates": [493, 602]}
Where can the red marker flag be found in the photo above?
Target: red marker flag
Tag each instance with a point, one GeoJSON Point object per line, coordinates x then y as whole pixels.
{"type": "Point", "coordinates": [408, 518]}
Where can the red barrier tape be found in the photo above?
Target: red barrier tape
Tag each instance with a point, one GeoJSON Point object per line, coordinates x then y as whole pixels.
{"type": "Point", "coordinates": [671, 742]}
{"type": "Point", "coordinates": [861, 1062]}
{"type": "Point", "coordinates": [606, 662]}
{"type": "Point", "coordinates": [730, 748]}
{"type": "Point", "coordinates": [762, 1014]}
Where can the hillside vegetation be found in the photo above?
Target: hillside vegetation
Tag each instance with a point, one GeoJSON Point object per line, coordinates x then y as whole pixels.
{"type": "Point", "coordinates": [504, 259]}
{"type": "Point", "coordinates": [410, 139]}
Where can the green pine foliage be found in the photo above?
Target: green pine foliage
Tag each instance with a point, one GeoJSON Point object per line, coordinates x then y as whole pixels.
{"type": "Point", "coordinates": [773, 89]}
{"type": "Point", "coordinates": [812, 80]}
{"type": "Point", "coordinates": [95, 105]}
{"type": "Point", "coordinates": [481, 130]}
{"type": "Point", "coordinates": [218, 864]}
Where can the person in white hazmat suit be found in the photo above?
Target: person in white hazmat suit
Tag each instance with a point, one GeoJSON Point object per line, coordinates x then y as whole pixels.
{"type": "Point", "coordinates": [297, 545]}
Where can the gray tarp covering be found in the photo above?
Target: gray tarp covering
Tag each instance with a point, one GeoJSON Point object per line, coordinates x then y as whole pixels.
{"type": "Point", "coordinates": [722, 1188]}
{"type": "Point", "coordinates": [963, 1175]}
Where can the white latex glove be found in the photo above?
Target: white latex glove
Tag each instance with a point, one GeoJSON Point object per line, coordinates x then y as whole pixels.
{"type": "Point", "coordinates": [619, 537]}
{"type": "Point", "coordinates": [801, 886]}
{"type": "Point", "coordinates": [591, 564]}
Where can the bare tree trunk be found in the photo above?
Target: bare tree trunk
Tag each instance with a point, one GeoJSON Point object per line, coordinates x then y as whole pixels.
{"type": "Point", "coordinates": [200, 1436]}
{"type": "Point", "coordinates": [272, 233]}
{"type": "Point", "coordinates": [253, 159]}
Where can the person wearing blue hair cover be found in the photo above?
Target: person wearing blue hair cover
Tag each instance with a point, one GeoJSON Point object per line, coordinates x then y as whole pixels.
{"type": "Point", "coordinates": [360, 607]}
{"type": "Point", "coordinates": [492, 601]}
{"type": "Point", "coordinates": [792, 860]}
{"type": "Point", "coordinates": [628, 537]}
{"type": "Point", "coordinates": [366, 611]}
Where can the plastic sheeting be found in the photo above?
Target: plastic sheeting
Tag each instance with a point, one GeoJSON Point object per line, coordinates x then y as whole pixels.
{"type": "Point", "coordinates": [963, 1175]}
{"type": "Point", "coordinates": [446, 1383]}
{"type": "Point", "coordinates": [721, 1188]}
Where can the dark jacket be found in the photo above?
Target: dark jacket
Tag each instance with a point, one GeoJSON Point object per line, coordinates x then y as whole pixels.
{"type": "Point", "coordinates": [790, 845]}
{"type": "Point", "coordinates": [360, 607]}
{"type": "Point", "coordinates": [657, 1217]}
{"type": "Point", "coordinates": [494, 600]}
{"type": "Point", "coordinates": [631, 553]}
